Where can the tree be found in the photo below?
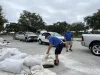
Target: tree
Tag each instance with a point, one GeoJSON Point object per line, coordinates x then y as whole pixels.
{"type": "Point", "coordinates": [12, 27]}
{"type": "Point", "coordinates": [59, 27]}
{"type": "Point", "coordinates": [78, 26]}
{"type": "Point", "coordinates": [93, 21]}
{"type": "Point", "coordinates": [2, 19]}
{"type": "Point", "coordinates": [30, 21]}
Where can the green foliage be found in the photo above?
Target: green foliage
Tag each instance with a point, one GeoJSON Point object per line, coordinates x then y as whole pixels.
{"type": "Point", "coordinates": [30, 21]}
{"type": "Point", "coordinates": [94, 20]}
{"type": "Point", "coordinates": [12, 27]}
{"type": "Point", "coordinates": [59, 27]}
{"type": "Point", "coordinates": [79, 26]}
{"type": "Point", "coordinates": [2, 19]}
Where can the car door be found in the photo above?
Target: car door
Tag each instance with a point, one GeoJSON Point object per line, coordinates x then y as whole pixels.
{"type": "Point", "coordinates": [21, 36]}
{"type": "Point", "coordinates": [43, 38]}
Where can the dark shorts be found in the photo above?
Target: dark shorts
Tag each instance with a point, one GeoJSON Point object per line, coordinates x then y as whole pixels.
{"type": "Point", "coordinates": [59, 48]}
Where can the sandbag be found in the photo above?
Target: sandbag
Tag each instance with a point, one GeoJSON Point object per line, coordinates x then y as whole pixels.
{"type": "Point", "coordinates": [40, 57]}
{"type": "Point", "coordinates": [11, 65]}
{"type": "Point", "coordinates": [31, 61]}
{"type": "Point", "coordinates": [4, 55]}
{"type": "Point", "coordinates": [48, 60]}
{"type": "Point", "coordinates": [5, 73]}
{"type": "Point", "coordinates": [23, 73]}
{"type": "Point", "coordinates": [26, 69]}
{"type": "Point", "coordinates": [19, 56]}
{"type": "Point", "coordinates": [3, 44]}
{"type": "Point", "coordinates": [1, 39]}
{"type": "Point", "coordinates": [36, 67]}
{"type": "Point", "coordinates": [13, 51]}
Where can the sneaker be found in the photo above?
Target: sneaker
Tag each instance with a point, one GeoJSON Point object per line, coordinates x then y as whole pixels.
{"type": "Point", "coordinates": [70, 49]}
{"type": "Point", "coordinates": [56, 63]}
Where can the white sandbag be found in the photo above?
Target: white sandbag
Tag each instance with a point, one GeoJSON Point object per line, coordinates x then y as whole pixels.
{"type": "Point", "coordinates": [3, 44]}
{"type": "Point", "coordinates": [19, 56]}
{"type": "Point", "coordinates": [4, 55]}
{"type": "Point", "coordinates": [36, 67]}
{"type": "Point", "coordinates": [43, 72]}
{"type": "Point", "coordinates": [48, 60]}
{"type": "Point", "coordinates": [5, 73]}
{"type": "Point", "coordinates": [48, 56]}
{"type": "Point", "coordinates": [39, 73]}
{"type": "Point", "coordinates": [26, 69]}
{"type": "Point", "coordinates": [1, 39]}
{"type": "Point", "coordinates": [31, 61]}
{"type": "Point", "coordinates": [23, 72]}
{"type": "Point", "coordinates": [40, 57]}
{"type": "Point", "coordinates": [11, 65]}
{"type": "Point", "coordinates": [47, 63]}
{"type": "Point", "coordinates": [13, 51]}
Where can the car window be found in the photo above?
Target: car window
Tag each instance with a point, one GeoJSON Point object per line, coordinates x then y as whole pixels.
{"type": "Point", "coordinates": [44, 34]}
{"type": "Point", "coordinates": [20, 33]}
{"type": "Point", "coordinates": [55, 34]}
{"type": "Point", "coordinates": [29, 32]}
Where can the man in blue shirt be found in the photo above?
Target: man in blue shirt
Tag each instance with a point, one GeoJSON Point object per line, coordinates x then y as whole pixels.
{"type": "Point", "coordinates": [68, 38]}
{"type": "Point", "coordinates": [54, 41]}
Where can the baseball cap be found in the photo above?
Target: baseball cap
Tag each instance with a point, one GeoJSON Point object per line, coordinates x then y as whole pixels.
{"type": "Point", "coordinates": [47, 34]}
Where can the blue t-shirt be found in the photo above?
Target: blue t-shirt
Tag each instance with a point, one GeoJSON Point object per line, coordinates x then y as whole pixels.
{"type": "Point", "coordinates": [68, 36]}
{"type": "Point", "coordinates": [54, 41]}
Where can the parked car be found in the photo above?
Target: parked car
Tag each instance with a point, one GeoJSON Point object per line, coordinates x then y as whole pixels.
{"type": "Point", "coordinates": [15, 35]}
{"type": "Point", "coordinates": [26, 36]}
{"type": "Point", "coordinates": [41, 38]}
{"type": "Point", "coordinates": [92, 41]}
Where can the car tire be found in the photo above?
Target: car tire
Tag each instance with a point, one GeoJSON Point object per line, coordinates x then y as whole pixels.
{"type": "Point", "coordinates": [20, 40]}
{"type": "Point", "coordinates": [95, 49]}
{"type": "Point", "coordinates": [40, 42]}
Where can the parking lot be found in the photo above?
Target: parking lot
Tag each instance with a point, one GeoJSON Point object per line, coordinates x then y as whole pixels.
{"type": "Point", "coordinates": [78, 62]}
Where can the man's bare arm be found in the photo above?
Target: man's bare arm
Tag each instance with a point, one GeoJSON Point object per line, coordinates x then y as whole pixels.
{"type": "Point", "coordinates": [50, 46]}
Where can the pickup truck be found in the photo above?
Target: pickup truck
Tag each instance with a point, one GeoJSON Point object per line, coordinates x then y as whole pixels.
{"type": "Point", "coordinates": [92, 41]}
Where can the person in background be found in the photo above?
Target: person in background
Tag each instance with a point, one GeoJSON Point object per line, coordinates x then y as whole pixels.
{"type": "Point", "coordinates": [68, 40]}
{"type": "Point", "coordinates": [54, 41]}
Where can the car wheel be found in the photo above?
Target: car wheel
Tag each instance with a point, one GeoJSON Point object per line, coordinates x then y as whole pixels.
{"type": "Point", "coordinates": [35, 40]}
{"type": "Point", "coordinates": [20, 40]}
{"type": "Point", "coordinates": [95, 49]}
{"type": "Point", "coordinates": [40, 42]}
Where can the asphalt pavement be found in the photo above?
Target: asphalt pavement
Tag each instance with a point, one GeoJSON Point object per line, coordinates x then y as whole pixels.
{"type": "Point", "coordinates": [78, 62]}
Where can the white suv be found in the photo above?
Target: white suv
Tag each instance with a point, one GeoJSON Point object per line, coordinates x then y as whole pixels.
{"type": "Point", "coordinates": [26, 36]}
{"type": "Point", "coordinates": [41, 38]}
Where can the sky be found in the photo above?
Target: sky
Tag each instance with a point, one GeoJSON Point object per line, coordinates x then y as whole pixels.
{"type": "Point", "coordinates": [51, 11]}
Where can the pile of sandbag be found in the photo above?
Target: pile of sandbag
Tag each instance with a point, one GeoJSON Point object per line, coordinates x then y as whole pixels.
{"type": "Point", "coordinates": [14, 62]}
{"type": "Point", "coordinates": [4, 43]}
